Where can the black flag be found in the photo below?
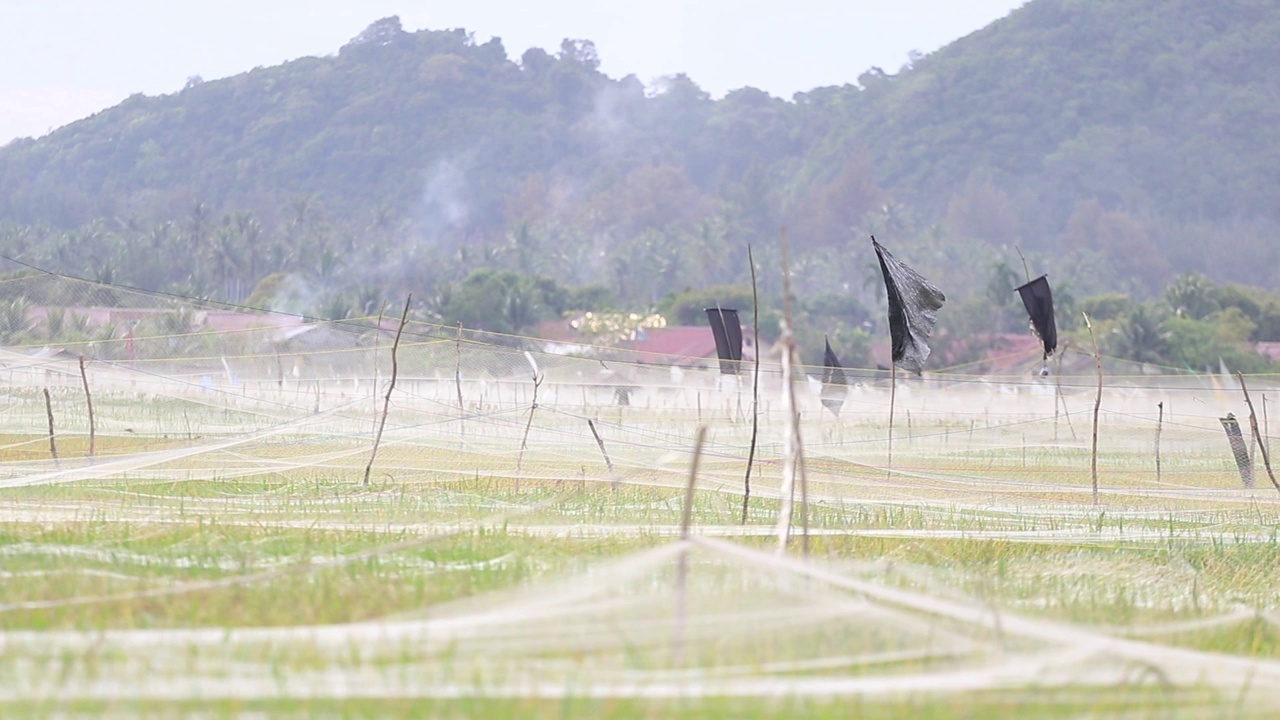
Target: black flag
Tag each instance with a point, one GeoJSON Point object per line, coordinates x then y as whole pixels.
{"type": "Point", "coordinates": [833, 381]}
{"type": "Point", "coordinates": [728, 333]}
{"type": "Point", "coordinates": [913, 309]}
{"type": "Point", "coordinates": [1038, 300]}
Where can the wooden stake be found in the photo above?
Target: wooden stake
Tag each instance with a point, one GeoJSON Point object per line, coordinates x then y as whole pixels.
{"type": "Point", "coordinates": [613, 477]}
{"type": "Point", "coordinates": [1253, 423]}
{"type": "Point", "coordinates": [377, 335]}
{"type": "Point", "coordinates": [386, 402]}
{"type": "Point", "coordinates": [457, 382]}
{"type": "Point", "coordinates": [682, 570]}
{"type": "Point", "coordinates": [804, 493]}
{"type": "Point", "coordinates": [1266, 424]}
{"type": "Point", "coordinates": [88, 398]}
{"type": "Point", "coordinates": [533, 407]}
{"type": "Point", "coordinates": [1159, 427]}
{"type": "Point", "coordinates": [755, 387]}
{"type": "Point", "coordinates": [53, 447]}
{"type": "Point", "coordinates": [792, 461]}
{"type": "Point", "coordinates": [686, 513]}
{"type": "Point", "coordinates": [1097, 403]}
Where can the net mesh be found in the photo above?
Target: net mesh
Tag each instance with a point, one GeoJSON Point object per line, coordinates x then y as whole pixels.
{"type": "Point", "coordinates": [185, 390]}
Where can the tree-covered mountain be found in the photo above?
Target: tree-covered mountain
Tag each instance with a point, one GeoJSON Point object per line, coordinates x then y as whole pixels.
{"type": "Point", "coordinates": [1119, 142]}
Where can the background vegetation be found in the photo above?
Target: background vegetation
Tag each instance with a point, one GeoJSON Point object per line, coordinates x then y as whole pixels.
{"type": "Point", "coordinates": [1120, 144]}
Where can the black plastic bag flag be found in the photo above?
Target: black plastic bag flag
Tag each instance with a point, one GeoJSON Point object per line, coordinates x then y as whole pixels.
{"type": "Point", "coordinates": [728, 333]}
{"type": "Point", "coordinates": [1038, 300]}
{"type": "Point", "coordinates": [833, 381]}
{"type": "Point", "coordinates": [913, 309]}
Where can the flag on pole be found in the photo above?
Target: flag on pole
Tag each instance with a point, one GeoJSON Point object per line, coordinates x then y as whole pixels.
{"type": "Point", "coordinates": [913, 310]}
{"type": "Point", "coordinates": [728, 334]}
{"type": "Point", "coordinates": [1038, 300]}
{"type": "Point", "coordinates": [833, 381]}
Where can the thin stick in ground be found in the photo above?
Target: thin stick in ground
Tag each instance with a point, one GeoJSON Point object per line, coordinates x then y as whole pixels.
{"type": "Point", "coordinates": [1253, 423]}
{"type": "Point", "coordinates": [377, 335]}
{"type": "Point", "coordinates": [1159, 427]}
{"type": "Point", "coordinates": [1266, 424]}
{"type": "Point", "coordinates": [533, 407]}
{"type": "Point", "coordinates": [682, 570]}
{"type": "Point", "coordinates": [1097, 403]}
{"type": "Point", "coordinates": [755, 387]}
{"type": "Point", "coordinates": [391, 385]}
{"type": "Point", "coordinates": [457, 382]}
{"type": "Point", "coordinates": [53, 446]}
{"type": "Point", "coordinates": [88, 398]}
{"type": "Point", "coordinates": [791, 449]}
{"type": "Point", "coordinates": [613, 476]}
{"type": "Point", "coordinates": [1059, 397]}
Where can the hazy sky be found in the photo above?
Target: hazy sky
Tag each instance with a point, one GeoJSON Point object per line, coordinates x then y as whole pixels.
{"type": "Point", "coordinates": [62, 60]}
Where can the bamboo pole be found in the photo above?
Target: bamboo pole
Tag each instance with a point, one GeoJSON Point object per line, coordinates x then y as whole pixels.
{"type": "Point", "coordinates": [457, 382]}
{"type": "Point", "coordinates": [1266, 424]}
{"type": "Point", "coordinates": [53, 446]}
{"type": "Point", "coordinates": [792, 463]}
{"type": "Point", "coordinates": [386, 403]}
{"type": "Point", "coordinates": [377, 335]}
{"type": "Point", "coordinates": [88, 398]}
{"type": "Point", "coordinates": [533, 407]}
{"type": "Point", "coordinates": [755, 387]}
{"type": "Point", "coordinates": [613, 477]}
{"type": "Point", "coordinates": [1097, 403]}
{"type": "Point", "coordinates": [1159, 427]}
{"type": "Point", "coordinates": [682, 570]}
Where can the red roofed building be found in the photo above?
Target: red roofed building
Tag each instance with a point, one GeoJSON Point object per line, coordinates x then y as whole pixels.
{"type": "Point", "coordinates": [688, 346]}
{"type": "Point", "coordinates": [997, 353]}
{"type": "Point", "coordinates": [1268, 350]}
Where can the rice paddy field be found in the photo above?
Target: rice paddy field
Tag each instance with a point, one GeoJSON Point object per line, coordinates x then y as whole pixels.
{"type": "Point", "coordinates": [213, 549]}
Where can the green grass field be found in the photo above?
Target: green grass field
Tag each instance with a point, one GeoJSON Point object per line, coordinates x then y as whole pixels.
{"type": "Point", "coordinates": [220, 556]}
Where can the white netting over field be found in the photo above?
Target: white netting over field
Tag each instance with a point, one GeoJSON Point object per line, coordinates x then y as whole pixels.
{"type": "Point", "coordinates": [184, 392]}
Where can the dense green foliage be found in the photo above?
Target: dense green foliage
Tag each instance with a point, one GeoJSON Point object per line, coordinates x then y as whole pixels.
{"type": "Point", "coordinates": [1119, 142]}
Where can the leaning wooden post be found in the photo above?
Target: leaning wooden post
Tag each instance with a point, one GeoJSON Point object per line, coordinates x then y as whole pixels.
{"type": "Point", "coordinates": [755, 388]}
{"type": "Point", "coordinates": [613, 476]}
{"type": "Point", "coordinates": [88, 398]}
{"type": "Point", "coordinates": [53, 446]}
{"type": "Point", "coordinates": [1253, 422]}
{"type": "Point", "coordinates": [386, 402]}
{"type": "Point", "coordinates": [1097, 403]}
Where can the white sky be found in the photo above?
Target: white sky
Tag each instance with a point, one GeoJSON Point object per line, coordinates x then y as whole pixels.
{"type": "Point", "coordinates": [61, 60]}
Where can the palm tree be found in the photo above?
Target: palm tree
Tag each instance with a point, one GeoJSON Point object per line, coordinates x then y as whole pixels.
{"type": "Point", "coordinates": [1192, 295]}
{"type": "Point", "coordinates": [14, 320]}
{"type": "Point", "coordinates": [1140, 336]}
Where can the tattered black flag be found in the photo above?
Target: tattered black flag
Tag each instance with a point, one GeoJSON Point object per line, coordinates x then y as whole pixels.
{"type": "Point", "coordinates": [833, 381]}
{"type": "Point", "coordinates": [913, 309]}
{"type": "Point", "coordinates": [728, 333]}
{"type": "Point", "coordinates": [1038, 300]}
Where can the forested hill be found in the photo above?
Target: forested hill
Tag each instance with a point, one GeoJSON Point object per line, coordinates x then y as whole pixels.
{"type": "Point", "coordinates": [1118, 142]}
